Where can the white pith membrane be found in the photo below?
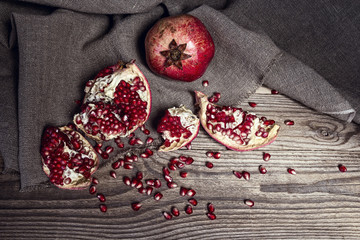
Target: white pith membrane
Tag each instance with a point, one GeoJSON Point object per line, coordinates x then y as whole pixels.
{"type": "Point", "coordinates": [68, 161]}
{"type": "Point", "coordinates": [185, 121]}
{"type": "Point", "coordinates": [115, 105]}
{"type": "Point", "coordinates": [236, 129]}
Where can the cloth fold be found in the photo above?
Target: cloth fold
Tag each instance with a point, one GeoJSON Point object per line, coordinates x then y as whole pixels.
{"type": "Point", "coordinates": [59, 46]}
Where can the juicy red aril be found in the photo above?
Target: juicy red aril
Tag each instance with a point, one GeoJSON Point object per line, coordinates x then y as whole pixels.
{"type": "Point", "coordinates": [217, 95]}
{"type": "Point", "coordinates": [92, 190]}
{"type": "Point", "coordinates": [188, 209]}
{"type": "Point", "coordinates": [180, 165]}
{"type": "Point", "coordinates": [249, 202]}
{"type": "Point", "coordinates": [252, 104]}
{"type": "Point", "coordinates": [168, 178]}
{"type": "Point", "coordinates": [166, 171]}
{"type": "Point", "coordinates": [172, 185]}
{"type": "Point", "coordinates": [142, 190]}
{"type": "Point", "coordinates": [150, 182]}
{"type": "Point", "coordinates": [167, 215]}
{"type": "Point", "coordinates": [183, 174]}
{"type": "Point", "coordinates": [291, 171]}
{"type": "Point", "coordinates": [158, 196]}
{"type": "Point", "coordinates": [193, 201]}
{"type": "Point", "coordinates": [191, 192]}
{"type": "Point", "coordinates": [211, 216]}
{"type": "Point", "coordinates": [109, 149]}
{"type": "Point", "coordinates": [157, 183]}
{"type": "Point", "coordinates": [205, 83]}
{"type": "Point", "coordinates": [262, 169]}
{"type": "Point", "coordinates": [183, 158]}
{"type": "Point", "coordinates": [209, 164]}
{"type": "Point", "coordinates": [217, 155]}
{"type": "Point", "coordinates": [175, 211]}
{"type": "Point", "coordinates": [144, 155]}
{"type": "Point", "coordinates": [289, 122]}
{"type": "Point", "coordinates": [210, 154]}
{"type": "Point", "coordinates": [246, 175]}
{"type": "Point", "coordinates": [342, 168]}
{"type": "Point", "coordinates": [189, 161]}
{"type": "Point", "coordinates": [273, 91]}
{"type": "Point", "coordinates": [127, 180]}
{"type": "Point", "coordinates": [104, 155]}
{"type": "Point", "coordinates": [116, 165]}
{"type": "Point", "coordinates": [113, 174]}
{"type": "Point", "coordinates": [101, 197]}
{"type": "Point", "coordinates": [237, 174]}
{"type": "Point", "coordinates": [210, 207]}
{"type": "Point", "coordinates": [172, 167]}
{"type": "Point", "coordinates": [149, 152]}
{"type": "Point", "coordinates": [139, 175]}
{"type": "Point", "coordinates": [149, 140]}
{"type": "Point", "coordinates": [149, 190]}
{"type": "Point", "coordinates": [146, 131]}
{"type": "Point", "coordinates": [94, 181]}
{"type": "Point", "coordinates": [183, 191]}
{"type": "Point", "coordinates": [188, 146]}
{"type": "Point", "coordinates": [266, 156]}
{"type": "Point", "coordinates": [136, 206]}
{"type": "Point", "coordinates": [103, 207]}
{"type": "Point", "coordinates": [128, 166]}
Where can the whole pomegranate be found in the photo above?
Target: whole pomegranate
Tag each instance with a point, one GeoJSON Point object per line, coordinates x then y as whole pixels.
{"type": "Point", "coordinates": [116, 103]}
{"type": "Point", "coordinates": [236, 129]}
{"type": "Point", "coordinates": [179, 47]}
{"type": "Point", "coordinates": [68, 158]}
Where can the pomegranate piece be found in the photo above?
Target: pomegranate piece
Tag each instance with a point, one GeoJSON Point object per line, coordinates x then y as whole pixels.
{"type": "Point", "coordinates": [211, 216]}
{"type": "Point", "coordinates": [183, 174]}
{"type": "Point", "coordinates": [103, 207]}
{"type": "Point", "coordinates": [136, 206]}
{"type": "Point", "coordinates": [113, 174]}
{"type": "Point", "coordinates": [205, 83]}
{"type": "Point", "coordinates": [158, 196]}
{"type": "Point", "coordinates": [193, 201]}
{"type": "Point", "coordinates": [211, 207]}
{"type": "Point", "coordinates": [262, 169]}
{"type": "Point", "coordinates": [167, 215]}
{"type": "Point", "coordinates": [237, 174]}
{"type": "Point", "coordinates": [234, 128]}
{"type": "Point", "coordinates": [175, 211]}
{"type": "Point", "coordinates": [342, 168]}
{"type": "Point", "coordinates": [178, 128]}
{"type": "Point", "coordinates": [95, 181]}
{"type": "Point", "coordinates": [92, 189]}
{"type": "Point", "coordinates": [266, 156]}
{"type": "Point", "coordinates": [116, 103]}
{"type": "Point", "coordinates": [101, 197]}
{"type": "Point", "coordinates": [209, 164]}
{"type": "Point", "coordinates": [68, 159]}
{"type": "Point", "coordinates": [179, 47]}
{"type": "Point", "coordinates": [189, 209]}
{"type": "Point", "coordinates": [246, 175]}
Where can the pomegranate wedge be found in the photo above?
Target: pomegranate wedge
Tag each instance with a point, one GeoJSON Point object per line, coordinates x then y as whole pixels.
{"type": "Point", "coordinates": [178, 127]}
{"type": "Point", "coordinates": [116, 103]}
{"type": "Point", "coordinates": [236, 129]}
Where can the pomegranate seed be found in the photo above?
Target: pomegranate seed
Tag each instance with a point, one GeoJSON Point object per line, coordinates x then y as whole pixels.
{"type": "Point", "coordinates": [134, 182]}
{"type": "Point", "coordinates": [144, 155]}
{"type": "Point", "coordinates": [183, 191]}
{"type": "Point", "coordinates": [94, 181]}
{"type": "Point", "coordinates": [171, 185]}
{"type": "Point", "coordinates": [167, 215]}
{"type": "Point", "coordinates": [246, 175]}
{"type": "Point", "coordinates": [168, 178]}
{"type": "Point", "coordinates": [289, 122]}
{"type": "Point", "coordinates": [149, 190]}
{"type": "Point", "coordinates": [211, 207]}
{"type": "Point", "coordinates": [217, 95]}
{"type": "Point", "coordinates": [188, 209]}
{"type": "Point", "coordinates": [266, 156]}
{"type": "Point", "coordinates": [252, 104]}
{"type": "Point", "coordinates": [249, 202]}
{"type": "Point", "coordinates": [127, 180]}
{"type": "Point", "coordinates": [262, 169]}
{"type": "Point", "coordinates": [193, 201]}
{"type": "Point", "coordinates": [157, 183]}
{"type": "Point", "coordinates": [128, 166]}
{"type": "Point", "coordinates": [191, 192]}
{"type": "Point", "coordinates": [205, 83]}
{"type": "Point", "coordinates": [180, 165]}
{"type": "Point", "coordinates": [150, 182]}
{"type": "Point", "coordinates": [136, 206]}
{"type": "Point", "coordinates": [175, 211]}
{"type": "Point", "coordinates": [120, 144]}
{"type": "Point", "coordinates": [104, 155]}
{"type": "Point", "coordinates": [166, 171]}
{"type": "Point", "coordinates": [189, 161]}
{"type": "Point", "coordinates": [146, 131]}
{"type": "Point", "coordinates": [237, 174]}
{"type": "Point", "coordinates": [172, 167]}
{"type": "Point", "coordinates": [183, 174]}
{"type": "Point", "coordinates": [109, 149]}
{"type": "Point", "coordinates": [183, 158]}
{"type": "Point", "coordinates": [103, 207]}
{"type": "Point", "coordinates": [158, 196]}
{"type": "Point", "coordinates": [188, 146]}
{"type": "Point", "coordinates": [113, 174]}
{"type": "Point", "coordinates": [139, 175]}
{"type": "Point", "coordinates": [291, 171]}
{"type": "Point", "coordinates": [210, 154]}
{"type": "Point", "coordinates": [273, 91]}
{"type": "Point", "coordinates": [211, 216]}
{"type": "Point", "coordinates": [342, 168]}
{"type": "Point", "coordinates": [142, 190]}
{"type": "Point", "coordinates": [116, 165]}
{"type": "Point", "coordinates": [149, 140]}
{"type": "Point", "coordinates": [92, 189]}
{"type": "Point", "coordinates": [209, 164]}
{"type": "Point", "coordinates": [217, 155]}
{"type": "Point", "coordinates": [149, 152]}
{"type": "Point", "coordinates": [101, 197]}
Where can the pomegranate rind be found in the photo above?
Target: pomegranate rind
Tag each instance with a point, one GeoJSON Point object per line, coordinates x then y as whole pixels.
{"type": "Point", "coordinates": [90, 98]}
{"type": "Point", "coordinates": [182, 111]}
{"type": "Point", "coordinates": [81, 182]}
{"type": "Point", "coordinates": [254, 143]}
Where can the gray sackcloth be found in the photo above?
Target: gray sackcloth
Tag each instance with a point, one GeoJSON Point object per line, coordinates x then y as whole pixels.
{"type": "Point", "coordinates": [50, 49]}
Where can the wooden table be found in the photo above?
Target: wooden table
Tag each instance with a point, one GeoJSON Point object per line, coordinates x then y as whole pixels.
{"type": "Point", "coordinates": [319, 202]}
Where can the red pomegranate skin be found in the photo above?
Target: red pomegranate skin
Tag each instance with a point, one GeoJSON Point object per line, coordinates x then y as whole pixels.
{"type": "Point", "coordinates": [184, 29]}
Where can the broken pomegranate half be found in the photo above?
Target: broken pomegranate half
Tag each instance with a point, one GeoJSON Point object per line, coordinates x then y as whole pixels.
{"type": "Point", "coordinates": [236, 129]}
{"type": "Point", "coordinates": [68, 158]}
{"type": "Point", "coordinates": [116, 103]}
{"type": "Point", "coordinates": [179, 126]}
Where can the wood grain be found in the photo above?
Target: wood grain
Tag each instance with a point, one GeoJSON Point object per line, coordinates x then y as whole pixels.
{"type": "Point", "coordinates": [319, 202]}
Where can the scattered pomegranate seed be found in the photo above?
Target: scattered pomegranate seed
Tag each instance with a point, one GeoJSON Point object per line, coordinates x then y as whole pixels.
{"type": "Point", "coordinates": [104, 155]}
{"type": "Point", "coordinates": [172, 167]}
{"type": "Point", "coordinates": [246, 175]}
{"type": "Point", "coordinates": [103, 207]}
{"type": "Point", "coordinates": [211, 216]}
{"type": "Point", "coordinates": [188, 146]}
{"type": "Point", "coordinates": [183, 191]}
{"type": "Point", "coordinates": [266, 156]}
{"type": "Point", "coordinates": [205, 83]}
{"type": "Point", "coordinates": [289, 122]}
{"type": "Point", "coordinates": [136, 206]}
{"type": "Point", "coordinates": [168, 178]}
{"type": "Point", "coordinates": [188, 209]}
{"type": "Point", "coordinates": [149, 152]}
{"type": "Point", "coordinates": [237, 174]}
{"type": "Point", "coordinates": [120, 144]}
{"type": "Point", "coordinates": [273, 91]}
{"type": "Point", "coordinates": [262, 169]}
{"type": "Point", "coordinates": [180, 165]}
{"type": "Point", "coordinates": [209, 164]}
{"type": "Point", "coordinates": [249, 202]}
{"type": "Point", "coordinates": [189, 161]}
{"type": "Point", "coordinates": [113, 174]}
{"type": "Point", "coordinates": [146, 131]}
{"type": "Point", "coordinates": [158, 196]}
{"type": "Point", "coordinates": [191, 192]}
{"type": "Point", "coordinates": [166, 171]}
{"type": "Point", "coordinates": [116, 165]}
{"type": "Point", "coordinates": [193, 201]}
{"type": "Point", "coordinates": [144, 155]}
{"type": "Point", "coordinates": [92, 189]}
{"type": "Point", "coordinates": [342, 168]}
{"type": "Point", "coordinates": [101, 197]}
{"type": "Point", "coordinates": [252, 104]}
{"type": "Point", "coordinates": [175, 211]}
{"type": "Point", "coordinates": [157, 183]}
{"type": "Point", "coordinates": [149, 140]}
{"type": "Point", "coordinates": [128, 166]}
{"type": "Point", "coordinates": [167, 215]}
{"type": "Point", "coordinates": [171, 185]}
{"type": "Point", "coordinates": [183, 174]}
{"type": "Point", "coordinates": [217, 155]}
{"type": "Point", "coordinates": [211, 207]}
{"type": "Point", "coordinates": [94, 181]}
{"type": "Point", "coordinates": [127, 180]}
{"type": "Point", "coordinates": [109, 149]}
{"type": "Point", "coordinates": [217, 95]}
{"type": "Point", "coordinates": [150, 182]}
{"type": "Point", "coordinates": [291, 171]}
{"type": "Point", "coordinates": [210, 154]}
{"type": "Point", "coordinates": [139, 175]}
{"type": "Point", "coordinates": [149, 190]}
